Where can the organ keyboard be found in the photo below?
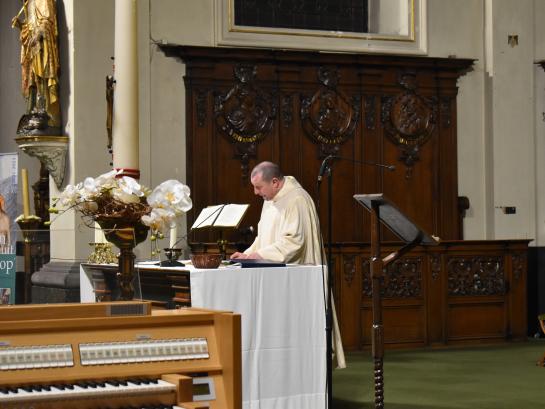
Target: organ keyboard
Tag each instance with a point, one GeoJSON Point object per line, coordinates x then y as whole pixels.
{"type": "Point", "coordinates": [118, 355]}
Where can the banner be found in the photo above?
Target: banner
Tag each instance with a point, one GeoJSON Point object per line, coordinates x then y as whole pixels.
{"type": "Point", "coordinates": [8, 236]}
{"type": "Point", "coordinates": [8, 202]}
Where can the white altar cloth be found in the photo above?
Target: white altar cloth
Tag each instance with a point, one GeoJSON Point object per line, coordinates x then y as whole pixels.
{"type": "Point", "coordinates": [283, 330]}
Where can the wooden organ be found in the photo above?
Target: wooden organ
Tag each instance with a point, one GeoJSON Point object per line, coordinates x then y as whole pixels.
{"type": "Point", "coordinates": [118, 355]}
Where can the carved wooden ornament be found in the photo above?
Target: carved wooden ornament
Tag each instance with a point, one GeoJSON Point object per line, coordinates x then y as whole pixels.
{"type": "Point", "coordinates": [245, 115]}
{"type": "Point", "coordinates": [329, 118]}
{"type": "Point", "coordinates": [409, 120]}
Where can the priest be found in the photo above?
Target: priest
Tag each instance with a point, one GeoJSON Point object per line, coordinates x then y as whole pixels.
{"type": "Point", "coordinates": [288, 230]}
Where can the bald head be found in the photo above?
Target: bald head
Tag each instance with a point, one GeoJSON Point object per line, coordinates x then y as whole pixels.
{"type": "Point", "coordinates": [268, 171]}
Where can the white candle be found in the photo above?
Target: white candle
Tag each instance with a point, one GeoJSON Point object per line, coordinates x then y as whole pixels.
{"type": "Point", "coordinates": [99, 234]}
{"type": "Point", "coordinates": [173, 234]}
{"type": "Point", "coordinates": [26, 200]}
{"type": "Point", "coordinates": [125, 115]}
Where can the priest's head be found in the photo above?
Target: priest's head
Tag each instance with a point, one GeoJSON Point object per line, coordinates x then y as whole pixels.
{"type": "Point", "coordinates": [267, 180]}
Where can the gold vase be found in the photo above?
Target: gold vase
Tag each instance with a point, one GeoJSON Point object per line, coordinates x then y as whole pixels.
{"type": "Point", "coordinates": [126, 235]}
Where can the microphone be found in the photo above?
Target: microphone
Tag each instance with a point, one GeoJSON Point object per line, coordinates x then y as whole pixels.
{"type": "Point", "coordinates": [328, 158]}
{"type": "Point", "coordinates": [323, 167]}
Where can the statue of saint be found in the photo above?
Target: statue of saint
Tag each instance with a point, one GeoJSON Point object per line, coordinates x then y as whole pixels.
{"type": "Point", "coordinates": [37, 21]}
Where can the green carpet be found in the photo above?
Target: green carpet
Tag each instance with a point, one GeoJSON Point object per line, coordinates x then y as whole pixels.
{"type": "Point", "coordinates": [494, 377]}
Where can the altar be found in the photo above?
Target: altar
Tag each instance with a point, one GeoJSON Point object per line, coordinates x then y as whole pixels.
{"type": "Point", "coordinates": [283, 328]}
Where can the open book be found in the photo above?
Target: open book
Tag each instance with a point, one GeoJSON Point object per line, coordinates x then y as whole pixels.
{"type": "Point", "coordinates": [228, 215]}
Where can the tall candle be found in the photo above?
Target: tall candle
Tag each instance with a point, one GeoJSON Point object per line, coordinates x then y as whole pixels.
{"type": "Point", "coordinates": [125, 115]}
{"type": "Point", "coordinates": [173, 234]}
{"type": "Point", "coordinates": [26, 201]}
{"type": "Point", "coordinates": [99, 234]}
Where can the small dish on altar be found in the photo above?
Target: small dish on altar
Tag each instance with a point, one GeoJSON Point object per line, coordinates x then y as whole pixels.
{"type": "Point", "coordinates": [206, 260]}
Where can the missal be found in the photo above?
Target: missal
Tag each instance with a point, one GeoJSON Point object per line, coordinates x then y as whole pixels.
{"type": "Point", "coordinates": [226, 215]}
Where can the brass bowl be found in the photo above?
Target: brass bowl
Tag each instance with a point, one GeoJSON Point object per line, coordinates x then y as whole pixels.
{"type": "Point", "coordinates": [206, 260]}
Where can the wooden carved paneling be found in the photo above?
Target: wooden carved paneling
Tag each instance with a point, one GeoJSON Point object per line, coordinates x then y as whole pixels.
{"type": "Point", "coordinates": [253, 109]}
{"type": "Point", "coordinates": [329, 118]}
{"type": "Point", "coordinates": [349, 269]}
{"type": "Point", "coordinates": [518, 265]}
{"type": "Point", "coordinates": [476, 276]}
{"type": "Point", "coordinates": [369, 107]}
{"type": "Point", "coordinates": [435, 261]}
{"type": "Point", "coordinates": [201, 106]}
{"type": "Point", "coordinates": [402, 279]}
{"type": "Point", "coordinates": [286, 110]}
{"type": "Point", "coordinates": [409, 120]}
{"type": "Point", "coordinates": [245, 115]}
{"type": "Point", "coordinates": [366, 283]}
{"type": "Point", "coordinates": [446, 114]}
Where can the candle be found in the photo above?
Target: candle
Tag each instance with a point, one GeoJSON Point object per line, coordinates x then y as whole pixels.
{"type": "Point", "coordinates": [99, 234]}
{"type": "Point", "coordinates": [173, 234]}
{"type": "Point", "coordinates": [125, 115]}
{"type": "Point", "coordinates": [26, 201]}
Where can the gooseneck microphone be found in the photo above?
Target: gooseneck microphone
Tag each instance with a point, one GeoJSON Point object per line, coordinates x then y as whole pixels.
{"type": "Point", "coordinates": [325, 164]}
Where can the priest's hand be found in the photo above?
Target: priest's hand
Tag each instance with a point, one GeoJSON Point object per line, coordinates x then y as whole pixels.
{"type": "Point", "coordinates": [253, 256]}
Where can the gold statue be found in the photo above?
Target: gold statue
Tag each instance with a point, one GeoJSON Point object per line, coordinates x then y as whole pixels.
{"type": "Point", "coordinates": [40, 67]}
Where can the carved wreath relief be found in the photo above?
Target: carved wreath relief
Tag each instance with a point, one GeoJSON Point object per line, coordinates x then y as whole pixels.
{"type": "Point", "coordinates": [409, 120]}
{"type": "Point", "coordinates": [245, 115]}
{"type": "Point", "coordinates": [329, 118]}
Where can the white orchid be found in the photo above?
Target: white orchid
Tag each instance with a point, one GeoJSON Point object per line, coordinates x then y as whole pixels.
{"type": "Point", "coordinates": [70, 196]}
{"type": "Point", "coordinates": [159, 218]}
{"type": "Point", "coordinates": [171, 194]}
{"type": "Point", "coordinates": [110, 193]}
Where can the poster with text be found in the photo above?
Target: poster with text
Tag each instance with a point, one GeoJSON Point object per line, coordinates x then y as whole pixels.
{"type": "Point", "coordinates": [8, 202]}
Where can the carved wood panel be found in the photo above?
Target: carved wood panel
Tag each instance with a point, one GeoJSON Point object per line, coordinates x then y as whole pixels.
{"type": "Point", "coordinates": [245, 106]}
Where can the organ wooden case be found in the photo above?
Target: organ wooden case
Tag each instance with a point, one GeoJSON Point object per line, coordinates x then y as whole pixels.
{"type": "Point", "coordinates": [118, 355]}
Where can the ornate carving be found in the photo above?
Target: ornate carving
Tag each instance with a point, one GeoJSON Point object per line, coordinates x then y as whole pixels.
{"type": "Point", "coordinates": [409, 120]}
{"type": "Point", "coordinates": [51, 151]}
{"type": "Point", "coordinates": [349, 269]}
{"type": "Point", "coordinates": [245, 115]}
{"type": "Point", "coordinates": [366, 284]}
{"type": "Point", "coordinates": [435, 264]}
{"type": "Point", "coordinates": [446, 115]}
{"type": "Point", "coordinates": [369, 106]}
{"type": "Point", "coordinates": [201, 107]}
{"type": "Point", "coordinates": [329, 117]}
{"type": "Point", "coordinates": [476, 276]}
{"type": "Point", "coordinates": [287, 110]}
{"type": "Point", "coordinates": [518, 261]}
{"type": "Point", "coordinates": [402, 279]}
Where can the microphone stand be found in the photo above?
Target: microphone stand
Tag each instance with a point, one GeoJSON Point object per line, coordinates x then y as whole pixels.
{"type": "Point", "coordinates": [327, 170]}
{"type": "Point", "coordinates": [329, 309]}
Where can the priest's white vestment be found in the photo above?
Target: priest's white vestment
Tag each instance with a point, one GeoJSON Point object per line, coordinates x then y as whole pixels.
{"type": "Point", "coordinates": [288, 232]}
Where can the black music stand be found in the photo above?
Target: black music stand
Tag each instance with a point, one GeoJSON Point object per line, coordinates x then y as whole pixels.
{"type": "Point", "coordinates": [384, 210]}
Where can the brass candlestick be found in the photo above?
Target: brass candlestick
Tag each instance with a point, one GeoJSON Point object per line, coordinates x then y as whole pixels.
{"type": "Point", "coordinates": [28, 225]}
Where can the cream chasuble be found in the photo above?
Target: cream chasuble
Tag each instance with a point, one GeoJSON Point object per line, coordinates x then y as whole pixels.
{"type": "Point", "coordinates": [288, 233]}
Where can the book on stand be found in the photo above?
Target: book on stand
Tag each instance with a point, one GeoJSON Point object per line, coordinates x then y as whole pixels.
{"type": "Point", "coordinates": [226, 215]}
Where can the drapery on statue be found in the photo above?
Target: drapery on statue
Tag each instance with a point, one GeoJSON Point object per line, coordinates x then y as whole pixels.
{"type": "Point", "coordinates": [40, 67]}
